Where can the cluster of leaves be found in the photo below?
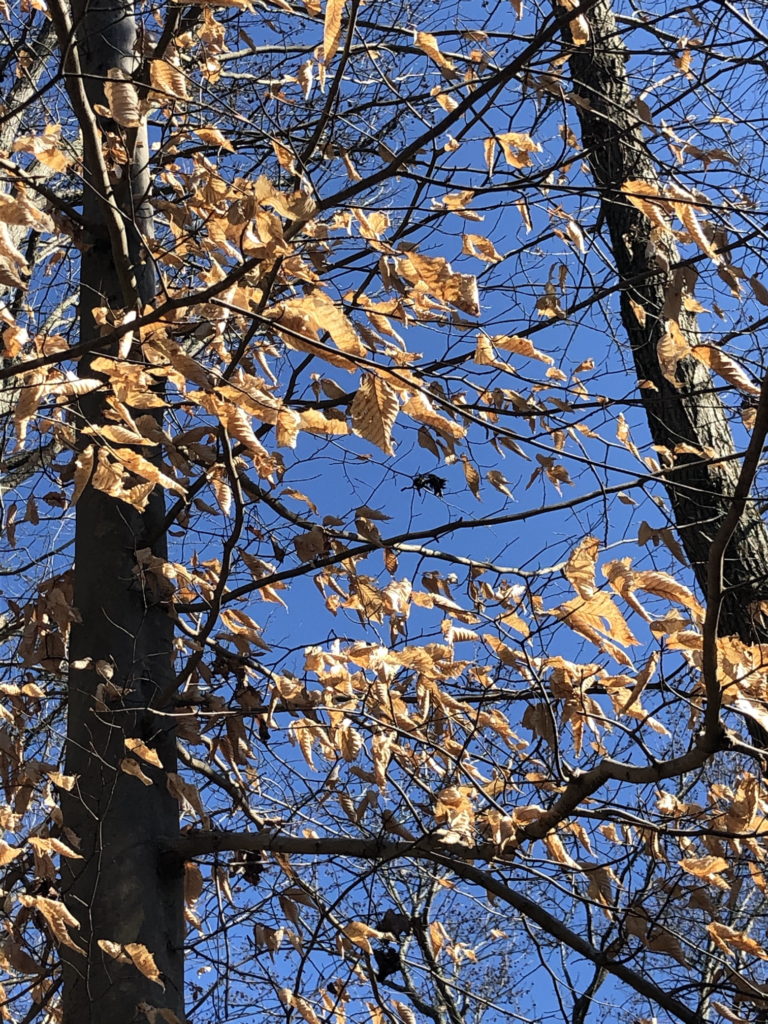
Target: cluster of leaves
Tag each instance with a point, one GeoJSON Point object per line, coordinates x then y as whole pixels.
{"type": "Point", "coordinates": [426, 729]}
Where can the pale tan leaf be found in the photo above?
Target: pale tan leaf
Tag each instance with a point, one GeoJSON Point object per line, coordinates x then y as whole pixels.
{"type": "Point", "coordinates": [758, 878]}
{"type": "Point", "coordinates": [116, 433]}
{"type": "Point", "coordinates": [521, 205]}
{"type": "Point", "coordinates": [520, 347]}
{"type": "Point", "coordinates": [730, 1014]}
{"type": "Point", "coordinates": [434, 275]}
{"type": "Point", "coordinates": [517, 148]}
{"type": "Point", "coordinates": [548, 304]}
{"type": "Point", "coordinates": [751, 710]}
{"type": "Point", "coordinates": [83, 469]}
{"type": "Point", "coordinates": [366, 512]}
{"type": "Point", "coordinates": [237, 423]}
{"type": "Point", "coordinates": [221, 490]}
{"type": "Point", "coordinates": [480, 247]}
{"type": "Point", "coordinates": [663, 585]}
{"type": "Point", "coordinates": [306, 77]}
{"type": "Point", "coordinates": [305, 317]}
{"type": "Point", "coordinates": [138, 495]}
{"type": "Point", "coordinates": [427, 43]}
{"type": "Point", "coordinates": [759, 290]}
{"type": "Point", "coordinates": [14, 340]}
{"type": "Point", "coordinates": [291, 492]}
{"type": "Point", "coordinates": [144, 961]}
{"type": "Point", "coordinates": [311, 545]}
{"type": "Point", "coordinates": [315, 421]}
{"type": "Point", "coordinates": [661, 940]}
{"type": "Point", "coordinates": [58, 919]}
{"type": "Point", "coordinates": [30, 396]}
{"type": "Point", "coordinates": [580, 567]}
{"type": "Point", "coordinates": [641, 681]}
{"type": "Point", "coordinates": [135, 953]}
{"type": "Point", "coordinates": [514, 621]}
{"type": "Point", "coordinates": [489, 151]}
{"type": "Point", "coordinates": [9, 853]}
{"type": "Point", "coordinates": [213, 137]}
{"type": "Point", "coordinates": [647, 197]}
{"type": "Point", "coordinates": [361, 934]}
{"type": "Point", "coordinates": [66, 782]}
{"type": "Point", "coordinates": [703, 867]}
{"type": "Point", "coordinates": [578, 25]}
{"type": "Point", "coordinates": [671, 348]}
{"type": "Point", "coordinates": [187, 794]}
{"type": "Point", "coordinates": [664, 535]}
{"type": "Point", "coordinates": [685, 206]}
{"type": "Point", "coordinates": [558, 852]}
{"type": "Point", "coordinates": [472, 477]}
{"type": "Point", "coordinates": [623, 435]}
{"type": "Point", "coordinates": [170, 80]}
{"type": "Point", "coordinates": [374, 411]}
{"type": "Point", "coordinates": [601, 882]}
{"type": "Point", "coordinates": [419, 408]}
{"type": "Point", "coordinates": [48, 148]}
{"type": "Point", "coordinates": [122, 98]}
{"type": "Point", "coordinates": [113, 949]}
{"type": "Point", "coordinates": [287, 428]}
{"type": "Point", "coordinates": [638, 311]}
{"type": "Point", "coordinates": [52, 845]}
{"type": "Point", "coordinates": [485, 354]}
{"type": "Point", "coordinates": [730, 940]}
{"type": "Point", "coordinates": [438, 936]}
{"type": "Point", "coordinates": [404, 1012]}
{"type": "Point", "coordinates": [446, 101]}
{"type": "Point", "coordinates": [144, 468]}
{"type": "Point", "coordinates": [576, 235]}
{"type": "Point", "coordinates": [131, 767]}
{"type": "Point", "coordinates": [140, 749]}
{"type": "Point", "coordinates": [285, 156]}
{"type": "Point", "coordinates": [332, 28]}
{"type": "Point", "coordinates": [600, 621]}
{"type": "Point", "coordinates": [20, 210]}
{"type": "Point", "coordinates": [268, 938]}
{"type": "Point", "coordinates": [497, 479]}
{"type": "Point", "coordinates": [300, 1004]}
{"type": "Point", "coordinates": [726, 367]}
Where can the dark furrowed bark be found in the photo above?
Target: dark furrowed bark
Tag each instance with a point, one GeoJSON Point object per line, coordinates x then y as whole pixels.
{"type": "Point", "coordinates": [692, 413]}
{"type": "Point", "coordinates": [119, 891]}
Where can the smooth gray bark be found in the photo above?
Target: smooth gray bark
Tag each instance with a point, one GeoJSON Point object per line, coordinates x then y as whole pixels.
{"type": "Point", "coordinates": [120, 891]}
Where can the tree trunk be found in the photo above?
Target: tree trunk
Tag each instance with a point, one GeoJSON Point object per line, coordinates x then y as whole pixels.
{"type": "Point", "coordinates": [121, 649]}
{"type": "Point", "coordinates": [692, 413]}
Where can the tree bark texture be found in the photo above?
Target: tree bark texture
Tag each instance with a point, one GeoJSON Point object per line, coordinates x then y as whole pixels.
{"type": "Point", "coordinates": [692, 413]}
{"type": "Point", "coordinates": [121, 649]}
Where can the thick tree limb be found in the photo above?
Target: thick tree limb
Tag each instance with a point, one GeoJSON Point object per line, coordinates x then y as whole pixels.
{"type": "Point", "coordinates": [689, 412]}
{"type": "Point", "coordinates": [457, 859]}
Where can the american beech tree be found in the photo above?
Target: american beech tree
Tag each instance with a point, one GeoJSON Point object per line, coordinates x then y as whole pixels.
{"type": "Point", "coordinates": [385, 618]}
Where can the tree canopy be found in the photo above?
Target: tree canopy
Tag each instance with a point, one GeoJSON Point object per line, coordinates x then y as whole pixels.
{"type": "Point", "coordinates": [385, 576]}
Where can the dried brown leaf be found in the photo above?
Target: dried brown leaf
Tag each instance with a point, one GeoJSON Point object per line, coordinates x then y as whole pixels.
{"type": "Point", "coordinates": [140, 749]}
{"type": "Point", "coordinates": [58, 919]}
{"type": "Point", "coordinates": [726, 367]}
{"type": "Point", "coordinates": [580, 568]}
{"type": "Point", "coordinates": [332, 28]}
{"type": "Point", "coordinates": [374, 411]}
{"type": "Point", "coordinates": [427, 43]}
{"type": "Point", "coordinates": [517, 148]}
{"type": "Point", "coordinates": [730, 940]}
{"type": "Point", "coordinates": [122, 97]}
